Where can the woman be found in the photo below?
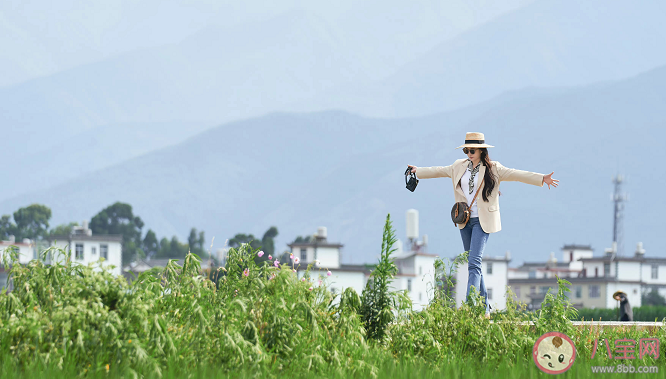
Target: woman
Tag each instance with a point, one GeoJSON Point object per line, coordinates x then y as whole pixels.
{"type": "Point", "coordinates": [468, 174]}
{"type": "Point", "coordinates": [626, 314]}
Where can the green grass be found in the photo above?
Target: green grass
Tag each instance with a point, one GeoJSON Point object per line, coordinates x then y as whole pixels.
{"type": "Point", "coordinates": [644, 313]}
{"type": "Point", "coordinates": [259, 320]}
{"type": "Point", "coordinates": [388, 367]}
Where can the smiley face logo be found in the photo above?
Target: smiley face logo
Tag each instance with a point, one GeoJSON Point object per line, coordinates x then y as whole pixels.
{"type": "Point", "coordinates": [554, 353]}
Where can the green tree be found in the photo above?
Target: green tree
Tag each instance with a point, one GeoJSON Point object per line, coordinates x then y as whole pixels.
{"type": "Point", "coordinates": [164, 249]}
{"type": "Point", "coordinates": [32, 221]}
{"type": "Point", "coordinates": [150, 243]}
{"type": "Point", "coordinates": [192, 241]}
{"type": "Point", "coordinates": [240, 239]}
{"type": "Point", "coordinates": [305, 239]}
{"type": "Point", "coordinates": [172, 248]}
{"type": "Point", "coordinates": [119, 219]}
{"type": "Point", "coordinates": [63, 229]}
{"type": "Point", "coordinates": [7, 227]}
{"type": "Point", "coordinates": [652, 298]}
{"type": "Point", "coordinates": [267, 243]}
{"type": "Point", "coordinates": [202, 240]}
{"type": "Point", "coordinates": [177, 249]}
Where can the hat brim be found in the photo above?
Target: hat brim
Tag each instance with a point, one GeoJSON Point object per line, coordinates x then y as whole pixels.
{"type": "Point", "coordinates": [617, 293]}
{"type": "Point", "coordinates": [474, 145]}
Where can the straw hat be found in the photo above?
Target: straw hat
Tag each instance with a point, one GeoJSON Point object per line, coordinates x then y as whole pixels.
{"type": "Point", "coordinates": [618, 293]}
{"type": "Point", "coordinates": [473, 139]}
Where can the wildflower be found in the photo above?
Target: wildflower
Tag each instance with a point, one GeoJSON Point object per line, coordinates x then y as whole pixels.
{"type": "Point", "coordinates": [329, 273]}
{"type": "Point", "coordinates": [130, 341]}
{"type": "Point", "coordinates": [303, 279]}
{"type": "Point", "coordinates": [260, 254]}
{"type": "Point", "coordinates": [107, 367]}
{"type": "Point", "coordinates": [310, 289]}
{"type": "Point", "coordinates": [291, 256]}
{"type": "Point", "coordinates": [294, 270]}
{"type": "Point", "coordinates": [319, 281]}
{"type": "Point", "coordinates": [246, 272]}
{"type": "Point", "coordinates": [297, 260]}
{"type": "Point", "coordinates": [276, 263]}
{"type": "Point", "coordinates": [270, 257]}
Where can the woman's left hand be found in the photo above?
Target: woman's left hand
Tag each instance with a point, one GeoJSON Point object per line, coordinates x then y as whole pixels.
{"type": "Point", "coordinates": [548, 179]}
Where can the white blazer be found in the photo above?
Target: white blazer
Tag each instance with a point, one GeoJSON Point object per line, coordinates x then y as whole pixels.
{"type": "Point", "coordinates": [489, 212]}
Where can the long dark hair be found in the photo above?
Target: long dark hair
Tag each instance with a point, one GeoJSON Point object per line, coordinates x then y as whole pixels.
{"type": "Point", "coordinates": [488, 176]}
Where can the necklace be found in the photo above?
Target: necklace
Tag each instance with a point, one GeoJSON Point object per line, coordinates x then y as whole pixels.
{"type": "Point", "coordinates": [471, 177]}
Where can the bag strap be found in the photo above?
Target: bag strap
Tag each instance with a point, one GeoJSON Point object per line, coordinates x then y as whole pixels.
{"type": "Point", "coordinates": [475, 195]}
{"type": "Point", "coordinates": [408, 174]}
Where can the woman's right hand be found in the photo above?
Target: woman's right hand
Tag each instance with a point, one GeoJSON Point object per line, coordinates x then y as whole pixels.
{"type": "Point", "coordinates": [413, 168]}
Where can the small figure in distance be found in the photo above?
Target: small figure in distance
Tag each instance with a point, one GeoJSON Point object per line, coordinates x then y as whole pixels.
{"type": "Point", "coordinates": [625, 309]}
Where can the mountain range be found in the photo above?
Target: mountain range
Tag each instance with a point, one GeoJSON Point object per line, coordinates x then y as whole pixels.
{"type": "Point", "coordinates": [73, 72]}
{"type": "Point", "coordinates": [547, 43]}
{"type": "Point", "coordinates": [336, 169]}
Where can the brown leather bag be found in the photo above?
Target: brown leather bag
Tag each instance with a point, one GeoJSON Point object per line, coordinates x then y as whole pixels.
{"type": "Point", "coordinates": [461, 211]}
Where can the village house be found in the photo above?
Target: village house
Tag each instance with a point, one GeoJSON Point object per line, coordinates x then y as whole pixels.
{"type": "Point", "coordinates": [87, 248]}
{"type": "Point", "coordinates": [84, 246]}
{"type": "Point", "coordinates": [593, 279]}
{"type": "Point", "coordinates": [415, 264]}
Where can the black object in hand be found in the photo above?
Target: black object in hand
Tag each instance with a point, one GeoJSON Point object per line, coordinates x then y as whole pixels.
{"type": "Point", "coordinates": [410, 179]}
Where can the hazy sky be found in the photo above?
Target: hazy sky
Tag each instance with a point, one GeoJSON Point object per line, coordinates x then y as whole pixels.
{"type": "Point", "coordinates": [44, 37]}
{"type": "Point", "coordinates": [99, 91]}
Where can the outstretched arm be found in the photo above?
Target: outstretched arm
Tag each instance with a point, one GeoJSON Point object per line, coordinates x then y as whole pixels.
{"type": "Point", "coordinates": [512, 175]}
{"type": "Point", "coordinates": [432, 172]}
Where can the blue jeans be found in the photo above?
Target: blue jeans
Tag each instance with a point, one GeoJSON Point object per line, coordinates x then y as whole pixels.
{"type": "Point", "coordinates": [474, 241]}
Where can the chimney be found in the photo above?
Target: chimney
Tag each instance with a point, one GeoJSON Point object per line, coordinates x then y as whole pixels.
{"type": "Point", "coordinates": [640, 252]}
{"type": "Point", "coordinates": [610, 252]}
{"type": "Point", "coordinates": [552, 261]}
{"type": "Point", "coordinates": [412, 224]}
{"type": "Point", "coordinates": [322, 233]}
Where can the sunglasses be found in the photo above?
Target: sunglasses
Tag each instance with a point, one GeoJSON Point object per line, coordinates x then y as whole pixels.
{"type": "Point", "coordinates": [470, 151]}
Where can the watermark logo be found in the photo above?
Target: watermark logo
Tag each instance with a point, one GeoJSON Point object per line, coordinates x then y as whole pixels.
{"type": "Point", "coordinates": [554, 353]}
{"type": "Point", "coordinates": [626, 348]}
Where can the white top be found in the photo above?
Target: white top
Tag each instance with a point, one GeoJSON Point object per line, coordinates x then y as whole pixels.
{"type": "Point", "coordinates": [464, 184]}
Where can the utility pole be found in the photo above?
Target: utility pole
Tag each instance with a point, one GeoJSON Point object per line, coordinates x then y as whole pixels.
{"type": "Point", "coordinates": [618, 199]}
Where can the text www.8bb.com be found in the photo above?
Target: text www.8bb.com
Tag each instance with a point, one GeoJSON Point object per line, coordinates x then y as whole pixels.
{"type": "Point", "coordinates": [624, 369]}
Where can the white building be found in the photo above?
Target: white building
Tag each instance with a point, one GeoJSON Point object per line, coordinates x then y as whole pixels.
{"type": "Point", "coordinates": [415, 266]}
{"type": "Point", "coordinates": [26, 249]}
{"type": "Point", "coordinates": [416, 274]}
{"type": "Point", "coordinates": [87, 248]}
{"type": "Point", "coordinates": [494, 270]}
{"type": "Point", "coordinates": [593, 279]}
{"type": "Point", "coordinates": [325, 256]}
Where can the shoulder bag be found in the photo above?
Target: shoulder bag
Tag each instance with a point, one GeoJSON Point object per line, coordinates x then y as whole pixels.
{"type": "Point", "coordinates": [461, 211]}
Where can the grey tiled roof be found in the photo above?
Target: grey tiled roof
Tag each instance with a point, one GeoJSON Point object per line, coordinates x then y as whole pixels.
{"type": "Point", "coordinates": [78, 237]}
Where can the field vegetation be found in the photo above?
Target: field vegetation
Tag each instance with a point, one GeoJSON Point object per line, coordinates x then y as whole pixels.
{"type": "Point", "coordinates": [252, 319]}
{"type": "Point", "coordinates": [643, 313]}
